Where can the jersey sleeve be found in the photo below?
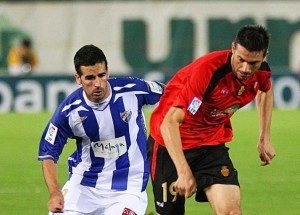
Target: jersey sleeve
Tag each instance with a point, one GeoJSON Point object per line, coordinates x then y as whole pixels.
{"type": "Point", "coordinates": [155, 90]}
{"type": "Point", "coordinates": [151, 91]}
{"type": "Point", "coordinates": [54, 137]}
{"type": "Point", "coordinates": [265, 84]}
{"type": "Point", "coordinates": [191, 96]}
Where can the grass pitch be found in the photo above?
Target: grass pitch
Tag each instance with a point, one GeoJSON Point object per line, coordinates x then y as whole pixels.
{"type": "Point", "coordinates": [270, 190]}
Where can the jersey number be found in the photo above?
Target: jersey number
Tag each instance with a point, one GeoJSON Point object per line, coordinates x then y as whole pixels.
{"type": "Point", "coordinates": [171, 190]}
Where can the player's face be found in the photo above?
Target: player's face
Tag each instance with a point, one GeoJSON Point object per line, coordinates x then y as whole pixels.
{"type": "Point", "coordinates": [94, 81]}
{"type": "Point", "coordinates": [244, 63]}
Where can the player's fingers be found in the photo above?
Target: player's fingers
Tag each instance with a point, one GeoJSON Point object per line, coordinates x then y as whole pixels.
{"type": "Point", "coordinates": [57, 211]}
{"type": "Point", "coordinates": [190, 192]}
{"type": "Point", "coordinates": [178, 189]}
{"type": "Point", "coordinates": [271, 155]}
{"type": "Point", "coordinates": [265, 159]}
{"type": "Point", "coordinates": [264, 163]}
{"type": "Point", "coordinates": [56, 206]}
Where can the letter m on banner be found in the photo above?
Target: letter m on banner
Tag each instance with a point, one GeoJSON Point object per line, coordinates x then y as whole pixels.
{"type": "Point", "coordinates": [181, 46]}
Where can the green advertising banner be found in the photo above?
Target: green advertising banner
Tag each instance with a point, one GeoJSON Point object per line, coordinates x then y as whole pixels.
{"type": "Point", "coordinates": [44, 93]}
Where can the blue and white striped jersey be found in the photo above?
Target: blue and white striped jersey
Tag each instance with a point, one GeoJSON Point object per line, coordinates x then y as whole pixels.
{"type": "Point", "coordinates": [110, 136]}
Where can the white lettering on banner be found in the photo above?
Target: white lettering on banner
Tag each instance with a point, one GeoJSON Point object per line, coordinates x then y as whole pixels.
{"type": "Point", "coordinates": [30, 100]}
{"type": "Point", "coordinates": [53, 90]}
{"type": "Point", "coordinates": [6, 97]}
{"type": "Point", "coordinates": [110, 148]}
{"type": "Point", "coordinates": [287, 83]}
{"type": "Point", "coordinates": [31, 96]}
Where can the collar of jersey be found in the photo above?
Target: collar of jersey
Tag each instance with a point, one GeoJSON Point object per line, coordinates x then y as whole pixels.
{"type": "Point", "coordinates": [97, 106]}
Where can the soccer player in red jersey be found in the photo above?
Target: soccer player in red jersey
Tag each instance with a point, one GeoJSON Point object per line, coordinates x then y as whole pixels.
{"type": "Point", "coordinates": [191, 124]}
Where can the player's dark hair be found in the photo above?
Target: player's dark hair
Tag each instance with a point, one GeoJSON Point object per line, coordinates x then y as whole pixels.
{"type": "Point", "coordinates": [253, 38]}
{"type": "Point", "coordinates": [88, 55]}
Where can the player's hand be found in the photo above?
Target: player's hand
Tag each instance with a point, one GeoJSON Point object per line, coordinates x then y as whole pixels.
{"type": "Point", "coordinates": [266, 152]}
{"type": "Point", "coordinates": [186, 183]}
{"type": "Point", "coordinates": [56, 203]}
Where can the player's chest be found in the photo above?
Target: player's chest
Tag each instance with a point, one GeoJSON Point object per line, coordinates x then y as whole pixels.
{"type": "Point", "coordinates": [115, 120]}
{"type": "Point", "coordinates": [232, 92]}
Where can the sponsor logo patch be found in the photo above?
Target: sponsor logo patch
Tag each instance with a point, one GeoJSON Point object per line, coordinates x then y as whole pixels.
{"type": "Point", "coordinates": [154, 87]}
{"type": "Point", "coordinates": [80, 119]}
{"type": "Point", "coordinates": [51, 133]}
{"type": "Point", "coordinates": [110, 148]}
{"type": "Point", "coordinates": [194, 105]}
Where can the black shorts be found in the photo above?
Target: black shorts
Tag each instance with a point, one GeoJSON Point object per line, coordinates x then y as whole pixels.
{"type": "Point", "coordinates": [209, 164]}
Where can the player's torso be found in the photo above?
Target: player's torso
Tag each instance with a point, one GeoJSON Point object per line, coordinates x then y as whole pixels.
{"type": "Point", "coordinates": [228, 96]}
{"type": "Point", "coordinates": [107, 130]}
{"type": "Point", "coordinates": [109, 141]}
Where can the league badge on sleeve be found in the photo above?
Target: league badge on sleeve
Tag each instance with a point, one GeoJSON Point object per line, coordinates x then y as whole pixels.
{"type": "Point", "coordinates": [155, 87]}
{"type": "Point", "coordinates": [51, 133]}
{"type": "Point", "coordinates": [194, 105]}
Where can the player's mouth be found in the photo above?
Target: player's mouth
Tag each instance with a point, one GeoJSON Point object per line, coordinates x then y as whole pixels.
{"type": "Point", "coordinates": [243, 75]}
{"type": "Point", "coordinates": [98, 93]}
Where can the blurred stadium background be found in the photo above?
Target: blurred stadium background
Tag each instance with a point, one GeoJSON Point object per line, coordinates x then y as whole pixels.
{"type": "Point", "coordinates": [150, 39]}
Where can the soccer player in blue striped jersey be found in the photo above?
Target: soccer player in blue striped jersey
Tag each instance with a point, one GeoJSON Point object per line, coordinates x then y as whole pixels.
{"type": "Point", "coordinates": [109, 170]}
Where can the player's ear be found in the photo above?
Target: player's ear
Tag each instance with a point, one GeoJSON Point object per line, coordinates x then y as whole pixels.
{"type": "Point", "coordinates": [107, 73]}
{"type": "Point", "coordinates": [266, 55]}
{"type": "Point", "coordinates": [233, 47]}
{"type": "Point", "coordinates": [78, 79]}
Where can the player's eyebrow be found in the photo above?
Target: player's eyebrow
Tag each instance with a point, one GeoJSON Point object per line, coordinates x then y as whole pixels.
{"type": "Point", "coordinates": [92, 76]}
{"type": "Point", "coordinates": [249, 62]}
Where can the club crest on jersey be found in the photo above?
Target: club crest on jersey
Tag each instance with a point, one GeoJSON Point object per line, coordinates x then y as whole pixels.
{"type": "Point", "coordinates": [51, 133]}
{"type": "Point", "coordinates": [225, 171]}
{"type": "Point", "coordinates": [125, 116]}
{"type": "Point", "coordinates": [241, 90]}
{"type": "Point", "coordinates": [194, 105]}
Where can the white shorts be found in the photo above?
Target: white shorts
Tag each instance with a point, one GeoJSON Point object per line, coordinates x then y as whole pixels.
{"type": "Point", "coordinates": [83, 200]}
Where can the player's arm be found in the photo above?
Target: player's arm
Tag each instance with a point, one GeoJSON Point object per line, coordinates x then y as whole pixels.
{"type": "Point", "coordinates": [186, 183]}
{"type": "Point", "coordinates": [56, 201]}
{"type": "Point", "coordinates": [264, 101]}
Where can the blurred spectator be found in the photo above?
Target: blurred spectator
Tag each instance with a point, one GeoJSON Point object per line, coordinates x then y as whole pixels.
{"type": "Point", "coordinates": [21, 59]}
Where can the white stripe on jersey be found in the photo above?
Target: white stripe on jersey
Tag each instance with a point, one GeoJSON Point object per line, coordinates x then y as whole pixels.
{"type": "Point", "coordinates": [132, 92]}
{"type": "Point", "coordinates": [106, 131]}
{"type": "Point", "coordinates": [134, 151]}
{"type": "Point", "coordinates": [78, 131]}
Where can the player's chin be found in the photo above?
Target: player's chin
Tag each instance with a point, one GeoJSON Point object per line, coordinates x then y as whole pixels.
{"type": "Point", "coordinates": [243, 77]}
{"type": "Point", "coordinates": [98, 97]}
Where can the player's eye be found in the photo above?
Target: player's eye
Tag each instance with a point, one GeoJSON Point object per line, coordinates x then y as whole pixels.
{"type": "Point", "coordinates": [89, 77]}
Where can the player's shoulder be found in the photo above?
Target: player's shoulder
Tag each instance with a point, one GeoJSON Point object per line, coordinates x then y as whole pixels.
{"type": "Point", "coordinates": [264, 67]}
{"type": "Point", "coordinates": [122, 84]}
{"type": "Point", "coordinates": [221, 55]}
{"type": "Point", "coordinates": [213, 60]}
{"type": "Point", "coordinates": [125, 80]}
{"type": "Point", "coordinates": [71, 101]}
